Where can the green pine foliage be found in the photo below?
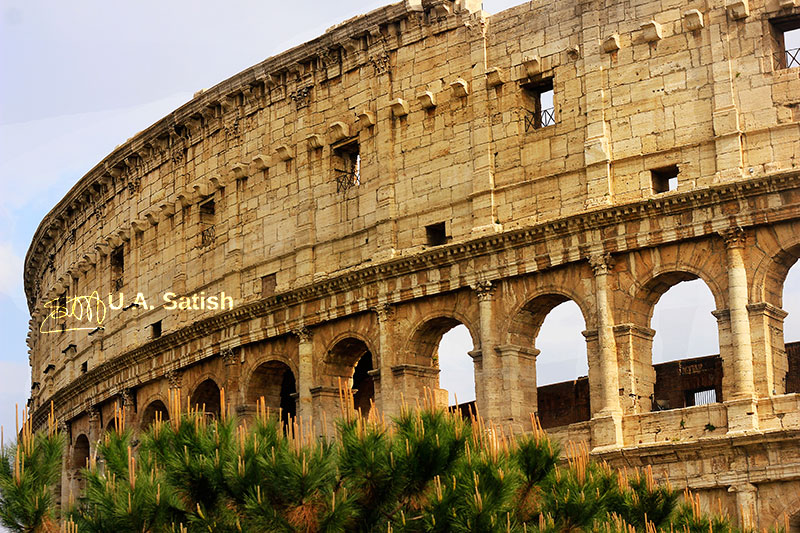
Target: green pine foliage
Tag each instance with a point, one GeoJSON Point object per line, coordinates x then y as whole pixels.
{"type": "Point", "coordinates": [29, 472]}
{"type": "Point", "coordinates": [428, 471]}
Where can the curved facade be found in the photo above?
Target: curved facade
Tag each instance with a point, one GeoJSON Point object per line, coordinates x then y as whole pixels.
{"type": "Point", "coordinates": [350, 200]}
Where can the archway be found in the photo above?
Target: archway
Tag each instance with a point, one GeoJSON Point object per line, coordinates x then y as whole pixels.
{"type": "Point", "coordinates": [684, 352]}
{"type": "Point", "coordinates": [550, 327]}
{"type": "Point", "coordinates": [456, 368]}
{"type": "Point", "coordinates": [440, 353]}
{"type": "Point", "coordinates": [155, 409]}
{"type": "Point", "coordinates": [351, 359]}
{"type": "Point", "coordinates": [274, 381]}
{"type": "Point", "coordinates": [79, 460]}
{"type": "Point", "coordinates": [791, 330]}
{"type": "Point", "coordinates": [206, 397]}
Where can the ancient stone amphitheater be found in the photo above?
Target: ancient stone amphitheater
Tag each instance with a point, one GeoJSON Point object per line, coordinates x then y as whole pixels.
{"type": "Point", "coordinates": [359, 195]}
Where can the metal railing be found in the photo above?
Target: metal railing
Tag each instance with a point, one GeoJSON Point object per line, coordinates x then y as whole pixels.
{"type": "Point", "coordinates": [207, 236]}
{"type": "Point", "coordinates": [542, 119]}
{"type": "Point", "coordinates": [787, 59]}
{"type": "Point", "coordinates": [347, 179]}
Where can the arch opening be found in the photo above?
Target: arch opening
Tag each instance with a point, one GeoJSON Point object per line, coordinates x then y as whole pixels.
{"type": "Point", "coordinates": [206, 396]}
{"type": "Point", "coordinates": [79, 460]}
{"type": "Point", "coordinates": [684, 350]}
{"type": "Point", "coordinates": [156, 409]}
{"type": "Point", "coordinates": [80, 452]}
{"type": "Point", "coordinates": [274, 381]}
{"type": "Point", "coordinates": [352, 359]}
{"type": "Point", "coordinates": [791, 329]}
{"type": "Point", "coordinates": [552, 326]}
{"type": "Point", "coordinates": [440, 350]}
{"type": "Point", "coordinates": [456, 369]}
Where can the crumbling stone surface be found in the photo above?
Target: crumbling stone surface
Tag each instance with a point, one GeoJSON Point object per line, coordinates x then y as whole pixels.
{"type": "Point", "coordinates": [359, 195]}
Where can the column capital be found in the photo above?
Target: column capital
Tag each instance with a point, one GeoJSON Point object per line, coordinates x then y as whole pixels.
{"type": "Point", "coordinates": [174, 378]}
{"type": "Point", "coordinates": [228, 356]}
{"type": "Point", "coordinates": [484, 289]}
{"type": "Point", "coordinates": [601, 263]}
{"type": "Point", "coordinates": [127, 396]}
{"type": "Point", "coordinates": [93, 412]}
{"type": "Point", "coordinates": [384, 311]}
{"type": "Point", "coordinates": [303, 334]}
{"type": "Point", "coordinates": [734, 237]}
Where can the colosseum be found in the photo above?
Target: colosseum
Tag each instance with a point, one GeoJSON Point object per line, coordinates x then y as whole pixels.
{"type": "Point", "coordinates": [335, 209]}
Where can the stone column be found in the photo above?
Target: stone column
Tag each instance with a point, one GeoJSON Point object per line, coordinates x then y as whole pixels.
{"type": "Point", "coordinates": [385, 397]}
{"type": "Point", "coordinates": [519, 384]}
{"type": "Point", "coordinates": [741, 401]}
{"type": "Point", "coordinates": [305, 370]}
{"type": "Point", "coordinates": [607, 417]}
{"type": "Point", "coordinates": [637, 375]}
{"type": "Point", "coordinates": [746, 501]}
{"type": "Point", "coordinates": [491, 386]}
{"type": "Point", "coordinates": [769, 354]}
{"type": "Point", "coordinates": [234, 389]}
{"type": "Point", "coordinates": [128, 407]}
{"type": "Point", "coordinates": [173, 377]}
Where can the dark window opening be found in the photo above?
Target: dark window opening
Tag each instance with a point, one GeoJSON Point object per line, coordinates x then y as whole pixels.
{"type": "Point", "coordinates": [664, 179]}
{"type": "Point", "coordinates": [785, 37]}
{"type": "Point", "coordinates": [207, 210]}
{"type": "Point", "coordinates": [84, 367]}
{"type": "Point", "coordinates": [117, 260]}
{"type": "Point", "coordinates": [436, 234]}
{"type": "Point", "coordinates": [268, 284]}
{"type": "Point", "coordinates": [155, 330]}
{"type": "Point", "coordinates": [347, 166]}
{"type": "Point", "coordinates": [538, 104]}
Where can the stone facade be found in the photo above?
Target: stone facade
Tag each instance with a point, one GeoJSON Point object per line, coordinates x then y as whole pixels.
{"type": "Point", "coordinates": [361, 194]}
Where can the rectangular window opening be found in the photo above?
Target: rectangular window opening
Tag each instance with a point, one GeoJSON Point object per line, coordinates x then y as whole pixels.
{"type": "Point", "coordinates": [84, 367]}
{"type": "Point", "coordinates": [664, 179]}
{"type": "Point", "coordinates": [436, 234]}
{"type": "Point", "coordinates": [207, 209]}
{"type": "Point", "coordinates": [155, 330]}
{"type": "Point", "coordinates": [268, 284]}
{"type": "Point", "coordinates": [117, 260]}
{"type": "Point", "coordinates": [786, 42]}
{"type": "Point", "coordinates": [538, 103]}
{"type": "Point", "coordinates": [347, 165]}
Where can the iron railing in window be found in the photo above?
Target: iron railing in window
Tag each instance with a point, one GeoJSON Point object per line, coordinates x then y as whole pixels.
{"type": "Point", "coordinates": [787, 59]}
{"type": "Point", "coordinates": [542, 119]}
{"type": "Point", "coordinates": [346, 179]}
{"type": "Point", "coordinates": [207, 236]}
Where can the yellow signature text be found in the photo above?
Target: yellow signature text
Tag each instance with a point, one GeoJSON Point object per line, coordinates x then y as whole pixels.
{"type": "Point", "coordinates": [89, 310]}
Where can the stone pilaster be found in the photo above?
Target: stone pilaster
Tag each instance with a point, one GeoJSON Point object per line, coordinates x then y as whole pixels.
{"type": "Point", "coordinates": [234, 390]}
{"type": "Point", "coordinates": [769, 354]}
{"type": "Point", "coordinates": [607, 416]}
{"type": "Point", "coordinates": [742, 413]}
{"type": "Point", "coordinates": [385, 397]}
{"type": "Point", "coordinates": [637, 375]}
{"type": "Point", "coordinates": [325, 404]}
{"type": "Point", "coordinates": [305, 369]}
{"type": "Point", "coordinates": [746, 504]}
{"type": "Point", "coordinates": [490, 389]}
{"type": "Point", "coordinates": [518, 393]}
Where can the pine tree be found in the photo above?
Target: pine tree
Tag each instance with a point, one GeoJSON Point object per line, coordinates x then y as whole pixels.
{"type": "Point", "coordinates": [29, 472]}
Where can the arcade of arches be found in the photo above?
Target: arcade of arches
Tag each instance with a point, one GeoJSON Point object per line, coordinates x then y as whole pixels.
{"type": "Point", "coordinates": [389, 354]}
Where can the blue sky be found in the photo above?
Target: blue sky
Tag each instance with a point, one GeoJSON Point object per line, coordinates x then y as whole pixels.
{"type": "Point", "coordinates": [76, 79]}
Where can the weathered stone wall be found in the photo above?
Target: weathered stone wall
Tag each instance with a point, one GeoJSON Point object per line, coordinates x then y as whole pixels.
{"type": "Point", "coordinates": [471, 206]}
